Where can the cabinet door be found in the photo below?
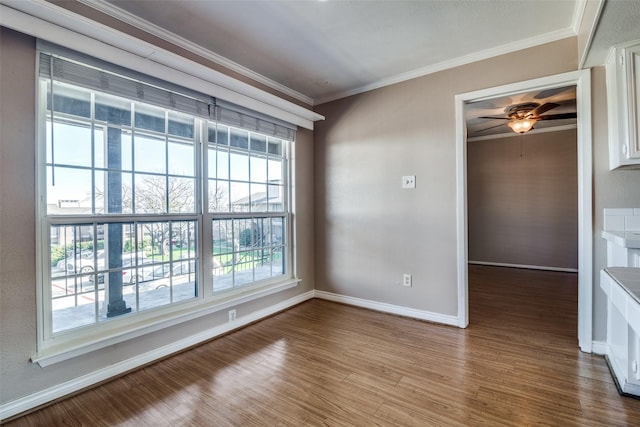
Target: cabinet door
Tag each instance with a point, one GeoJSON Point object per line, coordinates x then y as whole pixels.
{"type": "Point", "coordinates": [623, 98]}
{"type": "Point", "coordinates": [633, 96]}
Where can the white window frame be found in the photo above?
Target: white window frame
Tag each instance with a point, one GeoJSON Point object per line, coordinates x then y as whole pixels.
{"type": "Point", "coordinates": [52, 348]}
{"type": "Point", "coordinates": [286, 214]}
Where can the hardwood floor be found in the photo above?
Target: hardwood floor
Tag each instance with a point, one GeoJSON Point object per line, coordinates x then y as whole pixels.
{"type": "Point", "coordinates": [322, 363]}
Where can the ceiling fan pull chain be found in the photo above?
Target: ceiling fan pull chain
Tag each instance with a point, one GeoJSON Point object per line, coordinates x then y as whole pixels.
{"type": "Point", "coordinates": [521, 136]}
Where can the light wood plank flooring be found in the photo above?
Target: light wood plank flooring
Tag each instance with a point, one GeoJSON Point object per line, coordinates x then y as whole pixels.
{"type": "Point", "coordinates": [322, 363]}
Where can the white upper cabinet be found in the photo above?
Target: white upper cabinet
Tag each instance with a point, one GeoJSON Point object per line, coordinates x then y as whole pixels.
{"type": "Point", "coordinates": [623, 93]}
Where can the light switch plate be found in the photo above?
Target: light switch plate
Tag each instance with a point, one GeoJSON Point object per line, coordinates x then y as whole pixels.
{"type": "Point", "coordinates": [409, 181]}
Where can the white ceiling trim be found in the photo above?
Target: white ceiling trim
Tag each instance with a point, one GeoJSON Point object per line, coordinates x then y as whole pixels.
{"type": "Point", "coordinates": [578, 15]}
{"type": "Point", "coordinates": [126, 17]}
{"type": "Point", "coordinates": [587, 28]}
{"type": "Point", "coordinates": [47, 21]}
{"type": "Point", "coordinates": [463, 60]}
{"type": "Point", "coordinates": [153, 29]}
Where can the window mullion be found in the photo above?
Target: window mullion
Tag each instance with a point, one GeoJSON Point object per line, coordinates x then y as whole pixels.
{"type": "Point", "coordinates": [132, 154]}
{"type": "Point", "coordinates": [53, 108]}
{"type": "Point", "coordinates": [287, 175]}
{"type": "Point", "coordinates": [134, 178]}
{"type": "Point", "coordinates": [205, 226]}
{"type": "Point", "coordinates": [166, 163]}
{"type": "Point", "coordinates": [205, 243]}
{"type": "Point", "coordinates": [93, 157]}
{"type": "Point", "coordinates": [201, 163]}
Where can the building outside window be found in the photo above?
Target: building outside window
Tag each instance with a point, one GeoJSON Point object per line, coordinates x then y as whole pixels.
{"type": "Point", "coordinates": [152, 199]}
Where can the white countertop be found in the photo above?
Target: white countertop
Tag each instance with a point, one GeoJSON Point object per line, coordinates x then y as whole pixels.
{"type": "Point", "coordinates": [626, 239]}
{"type": "Point", "coordinates": [628, 278]}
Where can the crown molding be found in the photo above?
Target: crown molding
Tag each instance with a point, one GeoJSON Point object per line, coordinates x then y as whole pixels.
{"type": "Point", "coordinates": [155, 30]}
{"type": "Point", "coordinates": [128, 18]}
{"type": "Point", "coordinates": [586, 27]}
{"type": "Point", "coordinates": [456, 62]}
{"type": "Point", "coordinates": [578, 15]}
{"type": "Point", "coordinates": [48, 21]}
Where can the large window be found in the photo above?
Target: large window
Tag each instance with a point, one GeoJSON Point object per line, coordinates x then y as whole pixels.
{"type": "Point", "coordinates": [152, 199]}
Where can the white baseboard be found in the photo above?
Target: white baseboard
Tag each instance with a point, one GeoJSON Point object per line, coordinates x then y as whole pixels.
{"type": "Point", "coordinates": [389, 308]}
{"type": "Point", "coordinates": [530, 267]}
{"type": "Point", "coordinates": [631, 389]}
{"type": "Point", "coordinates": [43, 397]}
{"type": "Point", "coordinates": [599, 347]}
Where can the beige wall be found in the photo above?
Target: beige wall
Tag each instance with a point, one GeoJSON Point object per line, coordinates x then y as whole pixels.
{"type": "Point", "coordinates": [522, 194]}
{"type": "Point", "coordinates": [19, 377]}
{"type": "Point", "coordinates": [368, 230]}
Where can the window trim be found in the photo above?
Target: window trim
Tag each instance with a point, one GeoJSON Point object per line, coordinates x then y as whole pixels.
{"type": "Point", "coordinates": [182, 312]}
{"type": "Point", "coordinates": [53, 348]}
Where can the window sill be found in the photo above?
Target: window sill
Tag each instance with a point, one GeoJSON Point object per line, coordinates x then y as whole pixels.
{"type": "Point", "coordinates": [98, 339]}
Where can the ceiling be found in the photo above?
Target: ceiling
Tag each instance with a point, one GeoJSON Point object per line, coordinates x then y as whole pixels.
{"type": "Point", "coordinates": [618, 22]}
{"type": "Point", "coordinates": [479, 127]}
{"type": "Point", "coordinates": [318, 51]}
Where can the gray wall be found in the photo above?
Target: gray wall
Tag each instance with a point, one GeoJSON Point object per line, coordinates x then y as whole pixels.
{"type": "Point", "coordinates": [19, 377]}
{"type": "Point", "coordinates": [523, 200]}
{"type": "Point", "coordinates": [368, 230]}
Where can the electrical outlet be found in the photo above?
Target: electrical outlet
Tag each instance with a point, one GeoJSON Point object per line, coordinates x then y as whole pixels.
{"type": "Point", "coordinates": [409, 181]}
{"type": "Point", "coordinates": [406, 280]}
{"type": "Point", "coordinates": [232, 315]}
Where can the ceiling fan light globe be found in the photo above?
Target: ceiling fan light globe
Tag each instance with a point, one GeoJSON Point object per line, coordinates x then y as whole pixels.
{"type": "Point", "coordinates": [522, 125]}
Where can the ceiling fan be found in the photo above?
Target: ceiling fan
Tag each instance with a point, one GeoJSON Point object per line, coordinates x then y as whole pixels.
{"type": "Point", "coordinates": [522, 117]}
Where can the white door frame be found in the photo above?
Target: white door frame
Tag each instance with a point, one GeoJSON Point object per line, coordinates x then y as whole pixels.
{"type": "Point", "coordinates": [582, 80]}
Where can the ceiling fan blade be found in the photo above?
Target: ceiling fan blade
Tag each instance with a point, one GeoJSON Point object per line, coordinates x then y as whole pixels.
{"type": "Point", "coordinates": [489, 128]}
{"type": "Point", "coordinates": [548, 93]}
{"type": "Point", "coordinates": [495, 118]}
{"type": "Point", "coordinates": [543, 109]}
{"type": "Point", "coordinates": [563, 116]}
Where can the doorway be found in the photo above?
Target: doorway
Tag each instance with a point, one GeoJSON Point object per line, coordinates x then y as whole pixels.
{"type": "Point", "coordinates": [581, 80]}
